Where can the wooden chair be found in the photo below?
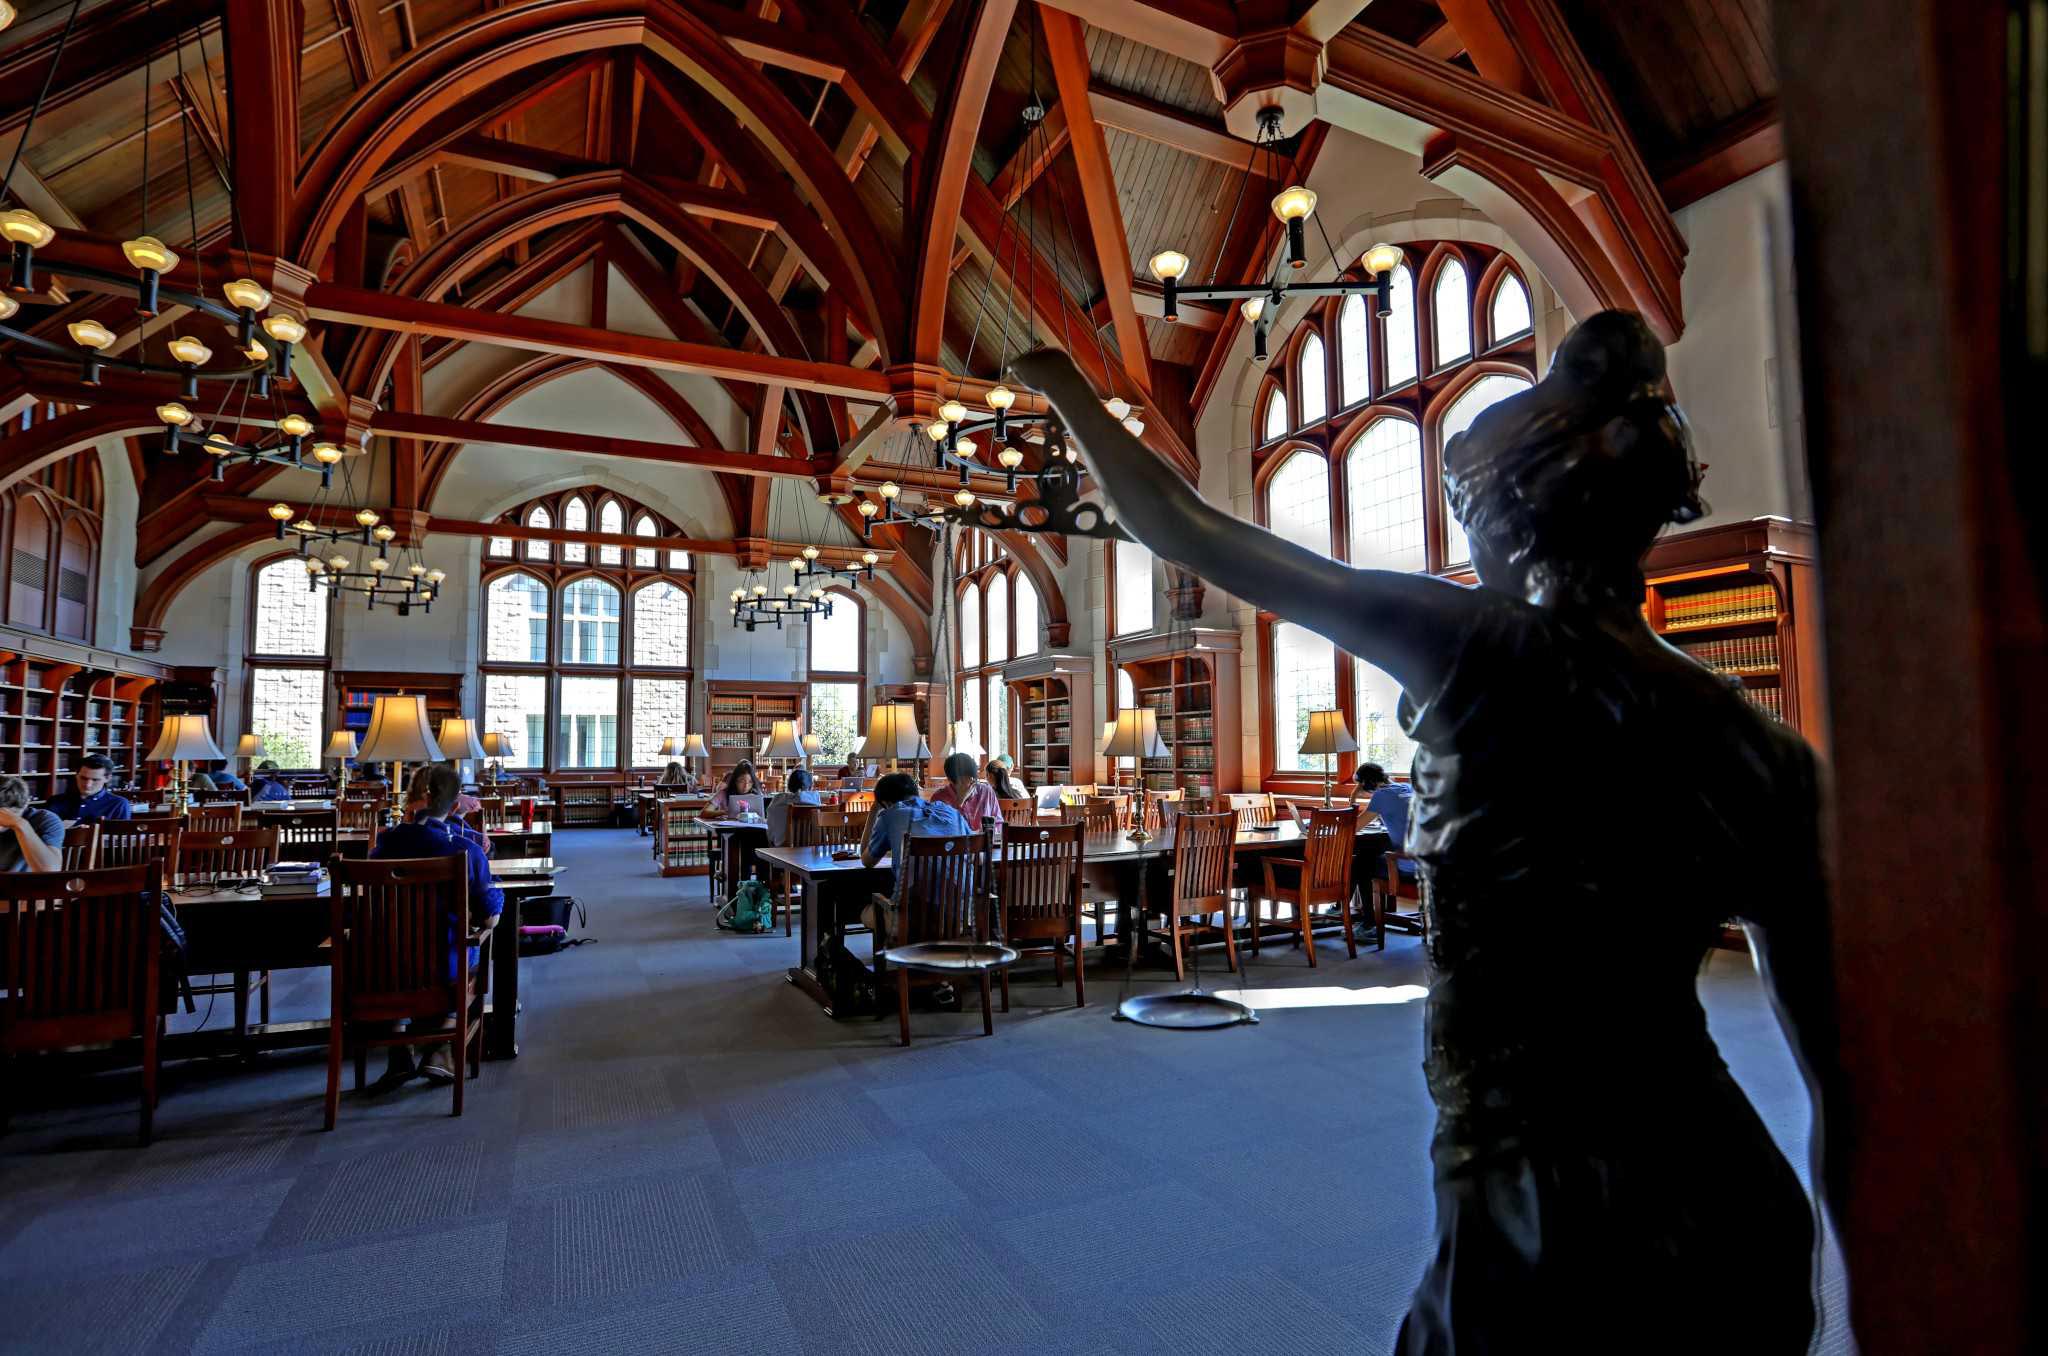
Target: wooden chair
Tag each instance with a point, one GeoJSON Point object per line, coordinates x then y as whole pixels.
{"type": "Point", "coordinates": [844, 828]}
{"type": "Point", "coordinates": [305, 835]}
{"type": "Point", "coordinates": [1254, 809]}
{"type": "Point", "coordinates": [862, 801]}
{"type": "Point", "coordinates": [1388, 891]}
{"type": "Point", "coordinates": [214, 818]}
{"type": "Point", "coordinates": [204, 857]}
{"type": "Point", "coordinates": [82, 847]}
{"type": "Point", "coordinates": [1319, 878]}
{"type": "Point", "coordinates": [1022, 810]}
{"type": "Point", "coordinates": [360, 814]}
{"type": "Point", "coordinates": [805, 830]}
{"type": "Point", "coordinates": [81, 964]}
{"type": "Point", "coordinates": [393, 924]}
{"type": "Point", "coordinates": [131, 842]}
{"type": "Point", "coordinates": [1103, 816]}
{"type": "Point", "coordinates": [1160, 808]}
{"type": "Point", "coordinates": [1204, 861]}
{"type": "Point", "coordinates": [1038, 897]}
{"type": "Point", "coordinates": [942, 886]}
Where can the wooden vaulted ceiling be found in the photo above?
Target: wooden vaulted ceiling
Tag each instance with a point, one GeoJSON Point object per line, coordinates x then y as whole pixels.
{"type": "Point", "coordinates": [732, 242]}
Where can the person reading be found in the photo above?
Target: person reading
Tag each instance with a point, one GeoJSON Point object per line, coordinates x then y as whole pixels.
{"type": "Point", "coordinates": [796, 790]}
{"type": "Point", "coordinates": [973, 798]}
{"type": "Point", "coordinates": [733, 797]}
{"type": "Point", "coordinates": [30, 839]}
{"type": "Point", "coordinates": [676, 777]}
{"type": "Point", "coordinates": [224, 779]}
{"type": "Point", "coordinates": [87, 799]}
{"type": "Point", "coordinates": [268, 785]}
{"type": "Point", "coordinates": [901, 813]}
{"type": "Point", "coordinates": [1008, 785]}
{"type": "Point", "coordinates": [1597, 1169]}
{"type": "Point", "coordinates": [430, 832]}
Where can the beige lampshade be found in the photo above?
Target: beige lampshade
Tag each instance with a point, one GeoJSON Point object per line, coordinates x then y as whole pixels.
{"type": "Point", "coordinates": [185, 739]}
{"type": "Point", "coordinates": [341, 746]}
{"type": "Point", "coordinates": [693, 747]}
{"type": "Point", "coordinates": [1136, 735]}
{"type": "Point", "coordinates": [251, 746]}
{"type": "Point", "coordinates": [457, 738]}
{"type": "Point", "coordinates": [963, 740]}
{"type": "Point", "coordinates": [1327, 733]}
{"type": "Point", "coordinates": [813, 746]}
{"type": "Point", "coordinates": [399, 732]}
{"type": "Point", "coordinates": [1108, 733]}
{"type": "Point", "coordinates": [783, 741]}
{"type": "Point", "coordinates": [671, 747]}
{"type": "Point", "coordinates": [892, 732]}
{"type": "Point", "coordinates": [497, 744]}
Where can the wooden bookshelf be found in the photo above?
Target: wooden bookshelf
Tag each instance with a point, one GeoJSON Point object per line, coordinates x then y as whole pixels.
{"type": "Point", "coordinates": [739, 715]}
{"type": "Point", "coordinates": [1055, 725]}
{"type": "Point", "coordinates": [1740, 599]}
{"type": "Point", "coordinates": [60, 702]}
{"type": "Point", "coordinates": [359, 689]}
{"type": "Point", "coordinates": [1190, 679]}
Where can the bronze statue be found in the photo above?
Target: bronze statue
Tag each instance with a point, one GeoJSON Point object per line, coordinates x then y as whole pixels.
{"type": "Point", "coordinates": [1602, 1184]}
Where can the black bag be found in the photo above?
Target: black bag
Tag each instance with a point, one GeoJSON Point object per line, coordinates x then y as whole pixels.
{"type": "Point", "coordinates": [544, 924]}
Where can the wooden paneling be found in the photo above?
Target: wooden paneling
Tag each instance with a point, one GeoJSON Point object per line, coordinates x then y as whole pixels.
{"type": "Point", "coordinates": [1681, 70]}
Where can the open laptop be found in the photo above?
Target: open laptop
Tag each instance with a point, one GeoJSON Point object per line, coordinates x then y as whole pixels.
{"type": "Point", "coordinates": [741, 805]}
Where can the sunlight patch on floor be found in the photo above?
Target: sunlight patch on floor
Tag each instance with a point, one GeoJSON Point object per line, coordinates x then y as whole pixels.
{"type": "Point", "coordinates": [1325, 996]}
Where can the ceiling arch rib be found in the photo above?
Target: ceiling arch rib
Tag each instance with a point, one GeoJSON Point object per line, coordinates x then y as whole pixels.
{"type": "Point", "coordinates": [391, 111]}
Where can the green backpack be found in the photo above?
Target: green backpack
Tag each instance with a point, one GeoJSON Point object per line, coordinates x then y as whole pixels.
{"type": "Point", "coordinates": [751, 909]}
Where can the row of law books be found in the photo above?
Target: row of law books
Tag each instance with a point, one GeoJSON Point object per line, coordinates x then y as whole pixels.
{"type": "Point", "coordinates": [1736, 654]}
{"type": "Point", "coordinates": [1769, 700]}
{"type": "Point", "coordinates": [1718, 607]}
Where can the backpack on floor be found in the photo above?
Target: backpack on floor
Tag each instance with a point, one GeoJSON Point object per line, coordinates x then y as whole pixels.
{"type": "Point", "coordinates": [751, 909]}
{"type": "Point", "coordinates": [544, 924]}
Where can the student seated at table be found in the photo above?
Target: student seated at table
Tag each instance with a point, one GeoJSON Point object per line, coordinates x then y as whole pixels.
{"type": "Point", "coordinates": [1008, 785]}
{"type": "Point", "coordinates": [30, 839]}
{"type": "Point", "coordinates": [1390, 801]}
{"type": "Point", "coordinates": [676, 777]}
{"type": "Point", "coordinates": [738, 782]}
{"type": "Point", "coordinates": [224, 779]}
{"type": "Point", "coordinates": [973, 798]}
{"type": "Point", "coordinates": [429, 832]}
{"type": "Point", "coordinates": [796, 790]}
{"type": "Point", "coordinates": [465, 804]}
{"type": "Point", "coordinates": [202, 784]}
{"type": "Point", "coordinates": [88, 798]}
{"type": "Point", "coordinates": [901, 813]}
{"type": "Point", "coordinates": [268, 785]}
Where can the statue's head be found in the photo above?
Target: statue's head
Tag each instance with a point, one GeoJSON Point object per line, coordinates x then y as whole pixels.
{"type": "Point", "coordinates": [1564, 486]}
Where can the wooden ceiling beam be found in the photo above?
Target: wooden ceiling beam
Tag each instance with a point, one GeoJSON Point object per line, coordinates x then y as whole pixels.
{"type": "Point", "coordinates": [262, 38]}
{"type": "Point", "coordinates": [1198, 136]}
{"type": "Point", "coordinates": [102, 49]}
{"type": "Point", "coordinates": [939, 177]}
{"type": "Point", "coordinates": [1441, 42]}
{"type": "Point", "coordinates": [1032, 159]}
{"type": "Point", "coordinates": [466, 118]}
{"type": "Point", "coordinates": [1067, 49]}
{"type": "Point", "coordinates": [434, 429]}
{"type": "Point", "coordinates": [1200, 31]}
{"type": "Point", "coordinates": [1752, 142]}
{"type": "Point", "coordinates": [1150, 300]}
{"type": "Point", "coordinates": [379, 310]}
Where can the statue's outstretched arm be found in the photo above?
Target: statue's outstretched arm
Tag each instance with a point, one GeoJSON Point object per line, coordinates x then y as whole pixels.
{"type": "Point", "coordinates": [1406, 624]}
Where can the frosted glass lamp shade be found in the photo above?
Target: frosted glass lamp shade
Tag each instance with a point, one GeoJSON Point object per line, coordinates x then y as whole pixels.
{"type": "Point", "coordinates": [251, 746]}
{"type": "Point", "coordinates": [892, 731]}
{"type": "Point", "coordinates": [1327, 733]}
{"type": "Point", "coordinates": [813, 746]}
{"type": "Point", "coordinates": [399, 732]}
{"type": "Point", "coordinates": [963, 740]}
{"type": "Point", "coordinates": [185, 739]}
{"type": "Point", "coordinates": [693, 747]}
{"type": "Point", "coordinates": [783, 741]}
{"type": "Point", "coordinates": [341, 746]}
{"type": "Point", "coordinates": [671, 747]}
{"type": "Point", "coordinates": [457, 738]}
{"type": "Point", "coordinates": [497, 744]}
{"type": "Point", "coordinates": [1136, 735]}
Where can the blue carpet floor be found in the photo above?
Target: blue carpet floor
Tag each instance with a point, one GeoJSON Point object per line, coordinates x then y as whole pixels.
{"type": "Point", "coordinates": [689, 1157]}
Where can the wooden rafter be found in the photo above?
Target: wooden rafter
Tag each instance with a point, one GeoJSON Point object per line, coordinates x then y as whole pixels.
{"type": "Point", "coordinates": [263, 109]}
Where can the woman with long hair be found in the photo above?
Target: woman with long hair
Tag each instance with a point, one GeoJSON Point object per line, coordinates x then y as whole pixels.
{"type": "Point", "coordinates": [1599, 1175]}
{"type": "Point", "coordinates": [738, 782]}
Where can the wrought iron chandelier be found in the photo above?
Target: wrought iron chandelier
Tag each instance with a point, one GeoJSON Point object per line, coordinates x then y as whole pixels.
{"type": "Point", "coordinates": [1261, 301]}
{"type": "Point", "coordinates": [758, 602]}
{"type": "Point", "coordinates": [404, 584]}
{"type": "Point", "coordinates": [186, 356]}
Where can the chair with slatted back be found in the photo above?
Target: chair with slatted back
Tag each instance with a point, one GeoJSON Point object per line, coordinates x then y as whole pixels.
{"type": "Point", "coordinates": [1318, 879]}
{"type": "Point", "coordinates": [213, 818]}
{"type": "Point", "coordinates": [1388, 890]}
{"type": "Point", "coordinates": [492, 811]}
{"type": "Point", "coordinates": [402, 933]}
{"type": "Point", "coordinates": [1204, 862]}
{"type": "Point", "coordinates": [862, 801]}
{"type": "Point", "coordinates": [81, 963]}
{"type": "Point", "coordinates": [1038, 897]}
{"type": "Point", "coordinates": [131, 842]}
{"type": "Point", "coordinates": [1254, 809]}
{"type": "Point", "coordinates": [805, 829]}
{"type": "Point", "coordinates": [238, 854]}
{"type": "Point", "coordinates": [1160, 808]}
{"type": "Point", "coordinates": [361, 814]}
{"type": "Point", "coordinates": [1020, 810]}
{"type": "Point", "coordinates": [305, 835]}
{"type": "Point", "coordinates": [82, 847]}
{"type": "Point", "coordinates": [1103, 815]}
{"type": "Point", "coordinates": [941, 896]}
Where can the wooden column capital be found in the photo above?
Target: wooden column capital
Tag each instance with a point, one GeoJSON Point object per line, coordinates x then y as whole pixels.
{"type": "Point", "coordinates": [1278, 68]}
{"type": "Point", "coordinates": [916, 390]}
{"type": "Point", "coordinates": [753, 553]}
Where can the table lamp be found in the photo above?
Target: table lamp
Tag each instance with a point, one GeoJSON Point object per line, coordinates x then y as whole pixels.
{"type": "Point", "coordinates": [250, 746]}
{"type": "Point", "coordinates": [671, 747]}
{"type": "Point", "coordinates": [813, 746]}
{"type": "Point", "coordinates": [341, 746]}
{"type": "Point", "coordinates": [1116, 770]}
{"type": "Point", "coordinates": [892, 733]}
{"type": "Point", "coordinates": [963, 740]}
{"type": "Point", "coordinates": [457, 738]}
{"type": "Point", "coordinates": [1328, 736]}
{"type": "Point", "coordinates": [693, 747]}
{"type": "Point", "coordinates": [399, 734]}
{"type": "Point", "coordinates": [1136, 737]}
{"type": "Point", "coordinates": [783, 741]}
{"type": "Point", "coordinates": [184, 739]}
{"type": "Point", "coordinates": [497, 744]}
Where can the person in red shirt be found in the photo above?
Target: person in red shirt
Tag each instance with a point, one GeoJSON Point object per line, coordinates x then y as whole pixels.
{"type": "Point", "coordinates": [973, 798]}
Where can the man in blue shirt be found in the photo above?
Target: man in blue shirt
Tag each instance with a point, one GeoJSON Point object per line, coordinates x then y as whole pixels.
{"type": "Point", "coordinates": [88, 799]}
{"type": "Point", "coordinates": [268, 786]}
{"type": "Point", "coordinates": [429, 834]}
{"type": "Point", "coordinates": [901, 813]}
{"type": "Point", "coordinates": [226, 780]}
{"type": "Point", "coordinates": [1390, 800]}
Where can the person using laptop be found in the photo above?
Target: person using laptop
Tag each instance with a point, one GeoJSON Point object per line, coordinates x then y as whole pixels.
{"type": "Point", "coordinates": [796, 790]}
{"type": "Point", "coordinates": [740, 794]}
